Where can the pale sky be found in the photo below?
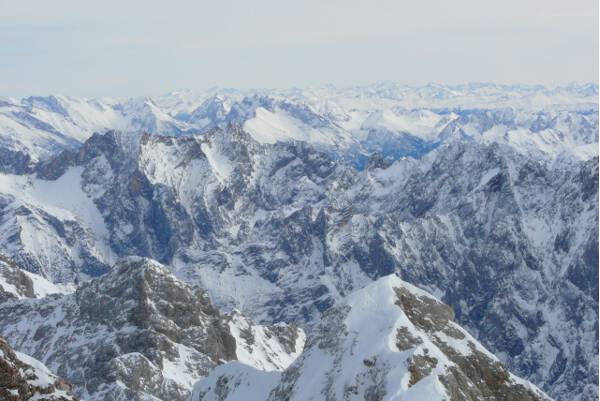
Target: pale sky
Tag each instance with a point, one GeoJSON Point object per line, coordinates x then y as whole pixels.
{"type": "Point", "coordinates": [131, 47]}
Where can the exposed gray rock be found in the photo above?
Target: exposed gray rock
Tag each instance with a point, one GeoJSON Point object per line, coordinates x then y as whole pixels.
{"type": "Point", "coordinates": [23, 378]}
{"type": "Point", "coordinates": [136, 333]}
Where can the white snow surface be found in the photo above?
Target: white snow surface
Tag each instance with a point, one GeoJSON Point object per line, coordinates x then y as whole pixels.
{"type": "Point", "coordinates": [218, 162]}
{"type": "Point", "coordinates": [63, 199]}
{"type": "Point", "coordinates": [43, 375]}
{"type": "Point", "coordinates": [266, 351]}
{"type": "Point", "coordinates": [255, 384]}
{"type": "Point", "coordinates": [349, 360]}
{"type": "Point", "coordinates": [424, 124]}
{"type": "Point", "coordinates": [279, 126]}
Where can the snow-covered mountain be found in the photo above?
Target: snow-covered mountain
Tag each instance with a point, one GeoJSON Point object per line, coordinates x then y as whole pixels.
{"type": "Point", "coordinates": [280, 203]}
{"type": "Point", "coordinates": [387, 341]}
{"type": "Point", "coordinates": [137, 333]}
{"type": "Point", "coordinates": [401, 120]}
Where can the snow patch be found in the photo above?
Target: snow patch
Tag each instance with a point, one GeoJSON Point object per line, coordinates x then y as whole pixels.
{"type": "Point", "coordinates": [219, 163]}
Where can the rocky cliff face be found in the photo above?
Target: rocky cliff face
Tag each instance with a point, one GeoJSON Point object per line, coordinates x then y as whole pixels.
{"type": "Point", "coordinates": [138, 332]}
{"type": "Point", "coordinates": [386, 341]}
{"type": "Point", "coordinates": [23, 378]}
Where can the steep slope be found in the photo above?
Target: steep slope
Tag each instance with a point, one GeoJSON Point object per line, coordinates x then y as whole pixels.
{"type": "Point", "coordinates": [137, 333]}
{"type": "Point", "coordinates": [23, 378]}
{"type": "Point", "coordinates": [52, 228]}
{"type": "Point", "coordinates": [18, 283]}
{"type": "Point", "coordinates": [387, 341]}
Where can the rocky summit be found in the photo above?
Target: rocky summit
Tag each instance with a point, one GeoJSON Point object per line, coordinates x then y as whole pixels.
{"type": "Point", "coordinates": [138, 333]}
{"type": "Point", "coordinates": [277, 205]}
{"type": "Point", "coordinates": [387, 341]}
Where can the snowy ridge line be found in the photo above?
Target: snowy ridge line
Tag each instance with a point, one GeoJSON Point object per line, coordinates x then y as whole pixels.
{"type": "Point", "coordinates": [35, 128]}
{"type": "Point", "coordinates": [389, 340]}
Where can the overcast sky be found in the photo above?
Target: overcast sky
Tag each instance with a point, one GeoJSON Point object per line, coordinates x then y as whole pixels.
{"type": "Point", "coordinates": [130, 47]}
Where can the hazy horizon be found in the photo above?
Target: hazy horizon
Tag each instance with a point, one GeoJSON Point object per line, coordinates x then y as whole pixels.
{"type": "Point", "coordinates": [87, 49]}
{"type": "Point", "coordinates": [251, 90]}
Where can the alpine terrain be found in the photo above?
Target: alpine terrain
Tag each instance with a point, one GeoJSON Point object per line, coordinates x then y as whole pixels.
{"type": "Point", "coordinates": [381, 242]}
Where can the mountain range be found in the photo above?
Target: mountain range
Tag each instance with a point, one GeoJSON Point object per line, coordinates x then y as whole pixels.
{"type": "Point", "coordinates": [151, 242]}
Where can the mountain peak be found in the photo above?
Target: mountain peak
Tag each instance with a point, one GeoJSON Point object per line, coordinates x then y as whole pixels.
{"type": "Point", "coordinates": [388, 341]}
{"type": "Point", "coordinates": [139, 333]}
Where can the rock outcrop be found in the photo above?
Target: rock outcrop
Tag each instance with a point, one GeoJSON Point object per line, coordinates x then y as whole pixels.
{"type": "Point", "coordinates": [23, 378]}
{"type": "Point", "coordinates": [138, 333]}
